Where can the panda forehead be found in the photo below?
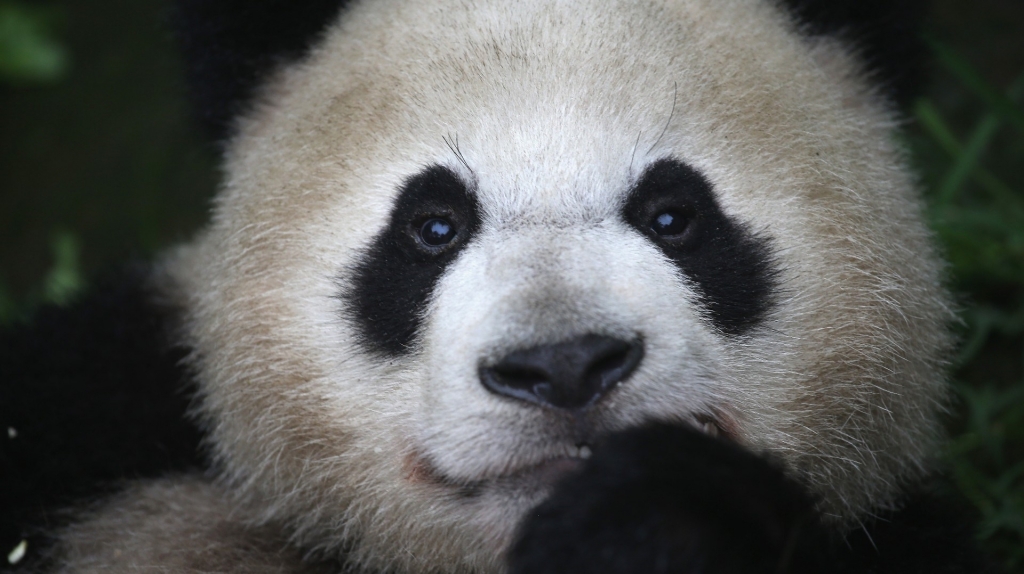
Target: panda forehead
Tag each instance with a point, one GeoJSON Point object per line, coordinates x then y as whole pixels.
{"type": "Point", "coordinates": [553, 174]}
{"type": "Point", "coordinates": [544, 111]}
{"type": "Point", "coordinates": [535, 85]}
{"type": "Point", "coordinates": [568, 149]}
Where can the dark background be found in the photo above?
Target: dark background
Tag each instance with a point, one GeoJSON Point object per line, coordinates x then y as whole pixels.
{"type": "Point", "coordinates": [99, 162]}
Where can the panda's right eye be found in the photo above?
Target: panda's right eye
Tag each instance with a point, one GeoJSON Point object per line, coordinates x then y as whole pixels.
{"type": "Point", "coordinates": [437, 232]}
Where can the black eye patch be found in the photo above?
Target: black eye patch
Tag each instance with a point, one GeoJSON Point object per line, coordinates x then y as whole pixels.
{"type": "Point", "coordinates": [433, 218]}
{"type": "Point", "coordinates": [675, 207]}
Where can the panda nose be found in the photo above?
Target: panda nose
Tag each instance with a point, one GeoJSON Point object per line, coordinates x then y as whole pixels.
{"type": "Point", "coordinates": [569, 375]}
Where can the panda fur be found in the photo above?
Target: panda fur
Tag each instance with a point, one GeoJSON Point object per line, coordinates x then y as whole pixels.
{"type": "Point", "coordinates": [759, 377]}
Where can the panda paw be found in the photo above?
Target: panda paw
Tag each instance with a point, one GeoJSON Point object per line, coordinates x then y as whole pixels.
{"type": "Point", "coordinates": [669, 499]}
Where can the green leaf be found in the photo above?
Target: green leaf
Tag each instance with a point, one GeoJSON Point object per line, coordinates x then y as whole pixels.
{"type": "Point", "coordinates": [982, 135]}
{"type": "Point", "coordinates": [965, 72]}
{"type": "Point", "coordinates": [931, 119]}
{"type": "Point", "coordinates": [64, 279]}
{"type": "Point", "coordinates": [28, 51]}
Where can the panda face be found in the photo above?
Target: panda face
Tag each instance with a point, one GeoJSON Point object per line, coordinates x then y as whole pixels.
{"type": "Point", "coordinates": [458, 244]}
{"type": "Point", "coordinates": [536, 330]}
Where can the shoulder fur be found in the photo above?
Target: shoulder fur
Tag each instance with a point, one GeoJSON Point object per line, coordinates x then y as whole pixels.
{"type": "Point", "coordinates": [182, 525]}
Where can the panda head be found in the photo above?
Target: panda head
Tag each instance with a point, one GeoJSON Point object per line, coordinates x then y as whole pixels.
{"type": "Point", "coordinates": [458, 242]}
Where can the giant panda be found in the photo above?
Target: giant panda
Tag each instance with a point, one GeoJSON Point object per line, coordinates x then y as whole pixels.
{"type": "Point", "coordinates": [527, 287]}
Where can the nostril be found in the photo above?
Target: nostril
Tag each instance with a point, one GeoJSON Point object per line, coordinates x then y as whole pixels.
{"type": "Point", "coordinates": [569, 375]}
{"type": "Point", "coordinates": [525, 384]}
{"type": "Point", "coordinates": [526, 380]}
{"type": "Point", "coordinates": [612, 366]}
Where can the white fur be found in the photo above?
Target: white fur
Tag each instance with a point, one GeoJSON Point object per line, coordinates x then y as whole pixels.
{"type": "Point", "coordinates": [556, 107]}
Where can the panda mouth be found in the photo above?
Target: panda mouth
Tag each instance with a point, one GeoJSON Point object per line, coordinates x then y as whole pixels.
{"type": "Point", "coordinates": [576, 455]}
{"type": "Point", "coordinates": [420, 468]}
{"type": "Point", "coordinates": [546, 471]}
{"type": "Point", "coordinates": [550, 471]}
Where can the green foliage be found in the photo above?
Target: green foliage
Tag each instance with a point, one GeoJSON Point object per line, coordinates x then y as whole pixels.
{"type": "Point", "coordinates": [64, 279]}
{"type": "Point", "coordinates": [977, 209]}
{"type": "Point", "coordinates": [29, 53]}
{"type": "Point", "coordinates": [62, 282]}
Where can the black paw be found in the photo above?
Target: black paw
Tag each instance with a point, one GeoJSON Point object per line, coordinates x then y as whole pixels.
{"type": "Point", "coordinates": [669, 499]}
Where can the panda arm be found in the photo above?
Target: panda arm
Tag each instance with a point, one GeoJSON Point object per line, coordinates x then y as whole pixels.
{"type": "Point", "coordinates": [668, 499]}
{"type": "Point", "coordinates": [90, 394]}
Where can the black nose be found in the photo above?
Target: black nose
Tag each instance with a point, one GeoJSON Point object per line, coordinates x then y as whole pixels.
{"type": "Point", "coordinates": [568, 375]}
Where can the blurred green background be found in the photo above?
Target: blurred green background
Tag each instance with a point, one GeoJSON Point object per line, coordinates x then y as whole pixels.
{"type": "Point", "coordinates": [100, 163]}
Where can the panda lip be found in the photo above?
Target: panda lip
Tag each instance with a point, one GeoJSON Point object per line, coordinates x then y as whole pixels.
{"type": "Point", "coordinates": [549, 469]}
{"type": "Point", "coordinates": [552, 468]}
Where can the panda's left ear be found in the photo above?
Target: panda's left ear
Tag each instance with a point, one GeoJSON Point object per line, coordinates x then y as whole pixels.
{"type": "Point", "coordinates": [230, 46]}
{"type": "Point", "coordinates": [886, 33]}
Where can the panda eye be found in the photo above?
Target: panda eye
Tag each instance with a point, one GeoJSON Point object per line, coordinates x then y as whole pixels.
{"type": "Point", "coordinates": [437, 231]}
{"type": "Point", "coordinates": [670, 223]}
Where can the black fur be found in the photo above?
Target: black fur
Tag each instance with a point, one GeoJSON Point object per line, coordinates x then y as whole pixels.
{"type": "Point", "coordinates": [393, 282]}
{"type": "Point", "coordinates": [231, 45]}
{"type": "Point", "coordinates": [668, 499]}
{"type": "Point", "coordinates": [95, 394]}
{"type": "Point", "coordinates": [930, 534]}
{"type": "Point", "coordinates": [885, 31]}
{"type": "Point", "coordinates": [732, 267]}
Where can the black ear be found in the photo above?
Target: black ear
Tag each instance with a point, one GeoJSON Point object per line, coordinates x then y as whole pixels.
{"type": "Point", "coordinates": [886, 32]}
{"type": "Point", "coordinates": [230, 46]}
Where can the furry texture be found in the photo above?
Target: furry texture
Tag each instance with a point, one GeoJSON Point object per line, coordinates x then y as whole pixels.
{"type": "Point", "coordinates": [392, 283]}
{"type": "Point", "coordinates": [665, 499]}
{"type": "Point", "coordinates": [91, 394]}
{"type": "Point", "coordinates": [668, 499]}
{"type": "Point", "coordinates": [929, 532]}
{"type": "Point", "coordinates": [884, 33]}
{"type": "Point", "coordinates": [548, 114]}
{"type": "Point", "coordinates": [209, 535]}
{"type": "Point", "coordinates": [733, 269]}
{"type": "Point", "coordinates": [231, 46]}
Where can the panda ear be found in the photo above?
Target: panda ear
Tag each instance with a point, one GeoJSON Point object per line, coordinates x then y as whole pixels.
{"type": "Point", "coordinates": [229, 47]}
{"type": "Point", "coordinates": [886, 33]}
